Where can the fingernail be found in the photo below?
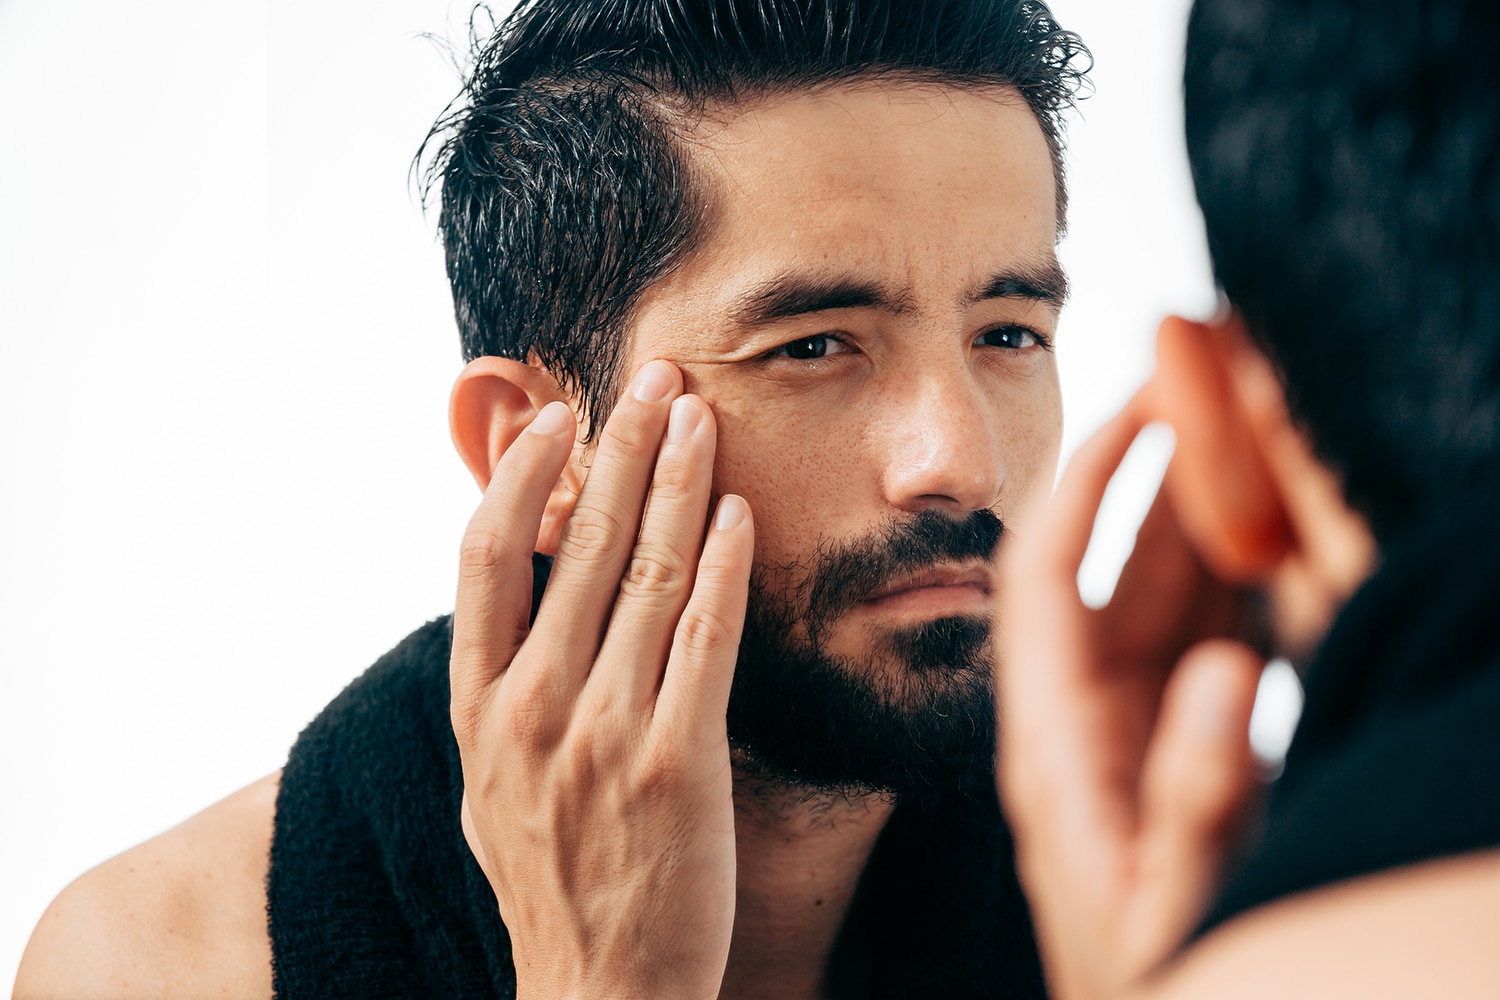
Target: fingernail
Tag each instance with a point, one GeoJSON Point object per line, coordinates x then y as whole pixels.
{"type": "Point", "coordinates": [554, 419]}
{"type": "Point", "coordinates": [684, 419]}
{"type": "Point", "coordinates": [732, 511]}
{"type": "Point", "coordinates": [654, 382]}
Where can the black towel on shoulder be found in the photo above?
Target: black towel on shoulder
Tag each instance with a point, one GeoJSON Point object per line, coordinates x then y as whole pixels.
{"type": "Point", "coordinates": [373, 892]}
{"type": "Point", "coordinates": [1396, 758]}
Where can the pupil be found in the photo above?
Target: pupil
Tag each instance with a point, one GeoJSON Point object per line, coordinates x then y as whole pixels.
{"type": "Point", "coordinates": [812, 347]}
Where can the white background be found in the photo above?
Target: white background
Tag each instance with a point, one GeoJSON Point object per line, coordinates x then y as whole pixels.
{"type": "Point", "coordinates": [225, 350]}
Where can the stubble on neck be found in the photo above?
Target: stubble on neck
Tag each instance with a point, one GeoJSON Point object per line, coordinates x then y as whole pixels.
{"type": "Point", "coordinates": [801, 852]}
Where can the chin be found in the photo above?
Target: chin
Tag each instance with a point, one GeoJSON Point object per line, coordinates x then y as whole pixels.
{"type": "Point", "coordinates": [914, 717]}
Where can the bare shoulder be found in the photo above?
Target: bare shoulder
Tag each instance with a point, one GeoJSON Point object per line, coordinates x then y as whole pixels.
{"type": "Point", "coordinates": [1423, 930]}
{"type": "Point", "coordinates": [182, 915]}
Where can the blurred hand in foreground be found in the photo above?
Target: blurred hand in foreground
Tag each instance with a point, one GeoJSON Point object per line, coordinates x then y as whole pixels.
{"type": "Point", "coordinates": [1124, 761]}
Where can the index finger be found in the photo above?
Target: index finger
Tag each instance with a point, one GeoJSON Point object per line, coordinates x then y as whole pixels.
{"type": "Point", "coordinates": [494, 583]}
{"type": "Point", "coordinates": [1065, 525]}
{"type": "Point", "coordinates": [1058, 724]}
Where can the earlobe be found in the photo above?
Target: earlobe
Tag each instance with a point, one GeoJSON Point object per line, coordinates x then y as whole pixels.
{"type": "Point", "coordinates": [1220, 481]}
{"type": "Point", "coordinates": [493, 401]}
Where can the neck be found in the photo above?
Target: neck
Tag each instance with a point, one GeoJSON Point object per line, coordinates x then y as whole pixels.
{"type": "Point", "coordinates": [799, 857]}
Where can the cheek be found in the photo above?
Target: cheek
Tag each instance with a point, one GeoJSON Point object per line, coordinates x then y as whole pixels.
{"type": "Point", "coordinates": [1031, 438]}
{"type": "Point", "coordinates": [787, 463]}
{"type": "Point", "coordinates": [806, 467]}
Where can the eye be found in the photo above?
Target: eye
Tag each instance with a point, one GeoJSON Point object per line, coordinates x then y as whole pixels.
{"type": "Point", "coordinates": [1015, 338]}
{"type": "Point", "coordinates": [810, 348]}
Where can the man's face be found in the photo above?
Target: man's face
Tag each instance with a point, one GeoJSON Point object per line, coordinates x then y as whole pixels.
{"type": "Point", "coordinates": [870, 318]}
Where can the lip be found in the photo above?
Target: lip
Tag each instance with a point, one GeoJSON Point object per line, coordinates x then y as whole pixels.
{"type": "Point", "coordinates": [936, 581]}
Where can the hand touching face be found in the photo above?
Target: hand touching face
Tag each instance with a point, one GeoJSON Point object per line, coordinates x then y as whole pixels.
{"type": "Point", "coordinates": [596, 766]}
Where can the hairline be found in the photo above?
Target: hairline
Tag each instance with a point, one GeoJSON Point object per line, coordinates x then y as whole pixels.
{"type": "Point", "coordinates": [682, 117]}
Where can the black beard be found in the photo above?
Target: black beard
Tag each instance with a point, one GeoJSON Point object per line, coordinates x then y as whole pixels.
{"type": "Point", "coordinates": [913, 717]}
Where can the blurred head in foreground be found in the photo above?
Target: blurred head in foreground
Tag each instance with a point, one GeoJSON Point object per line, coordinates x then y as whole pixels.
{"type": "Point", "coordinates": [1347, 162]}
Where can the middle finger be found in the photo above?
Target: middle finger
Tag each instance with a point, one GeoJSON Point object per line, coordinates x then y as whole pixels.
{"type": "Point", "coordinates": [602, 529]}
{"type": "Point", "coordinates": [660, 575]}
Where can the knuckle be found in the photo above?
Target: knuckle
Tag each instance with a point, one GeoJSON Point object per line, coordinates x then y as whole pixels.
{"type": "Point", "coordinates": [528, 717]}
{"type": "Point", "coordinates": [702, 630]}
{"type": "Point", "coordinates": [674, 477]}
{"type": "Point", "coordinates": [595, 760]}
{"type": "Point", "coordinates": [664, 763]}
{"type": "Point", "coordinates": [655, 571]}
{"type": "Point", "coordinates": [658, 775]}
{"type": "Point", "coordinates": [484, 547]}
{"type": "Point", "coordinates": [589, 531]}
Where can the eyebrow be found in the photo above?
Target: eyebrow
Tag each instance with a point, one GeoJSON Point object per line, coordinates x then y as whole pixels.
{"type": "Point", "coordinates": [1043, 281]}
{"type": "Point", "coordinates": [798, 295]}
{"type": "Point", "coordinates": [791, 294]}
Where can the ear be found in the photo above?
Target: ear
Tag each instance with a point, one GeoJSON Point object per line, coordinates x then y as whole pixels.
{"type": "Point", "coordinates": [493, 401]}
{"type": "Point", "coordinates": [1222, 481]}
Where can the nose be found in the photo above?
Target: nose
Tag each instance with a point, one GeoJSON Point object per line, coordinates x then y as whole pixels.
{"type": "Point", "coordinates": [944, 446]}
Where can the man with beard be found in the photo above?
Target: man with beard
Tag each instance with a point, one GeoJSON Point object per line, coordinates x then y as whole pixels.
{"type": "Point", "coordinates": [797, 259]}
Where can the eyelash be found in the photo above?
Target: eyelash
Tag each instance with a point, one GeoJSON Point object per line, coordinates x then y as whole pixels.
{"type": "Point", "coordinates": [1040, 340]}
{"type": "Point", "coordinates": [783, 350]}
{"type": "Point", "coordinates": [1036, 335]}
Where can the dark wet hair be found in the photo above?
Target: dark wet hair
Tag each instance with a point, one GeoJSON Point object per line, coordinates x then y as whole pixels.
{"type": "Point", "coordinates": [564, 191]}
{"type": "Point", "coordinates": [1347, 160]}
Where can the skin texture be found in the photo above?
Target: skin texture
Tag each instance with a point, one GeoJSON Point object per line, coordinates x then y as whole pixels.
{"type": "Point", "coordinates": [181, 915]}
{"type": "Point", "coordinates": [597, 768]}
{"type": "Point", "coordinates": [1125, 764]}
{"type": "Point", "coordinates": [925, 192]}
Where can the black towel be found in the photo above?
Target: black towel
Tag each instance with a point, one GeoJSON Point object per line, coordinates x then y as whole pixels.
{"type": "Point", "coordinates": [1396, 758]}
{"type": "Point", "coordinates": [373, 892]}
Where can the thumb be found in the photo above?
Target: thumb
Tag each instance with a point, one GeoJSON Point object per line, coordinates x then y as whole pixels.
{"type": "Point", "coordinates": [1195, 785]}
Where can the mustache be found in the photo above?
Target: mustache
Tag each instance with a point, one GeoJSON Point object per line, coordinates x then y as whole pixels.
{"type": "Point", "coordinates": [847, 572]}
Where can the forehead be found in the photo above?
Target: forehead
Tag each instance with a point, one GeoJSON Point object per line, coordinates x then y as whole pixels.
{"type": "Point", "coordinates": [922, 188]}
